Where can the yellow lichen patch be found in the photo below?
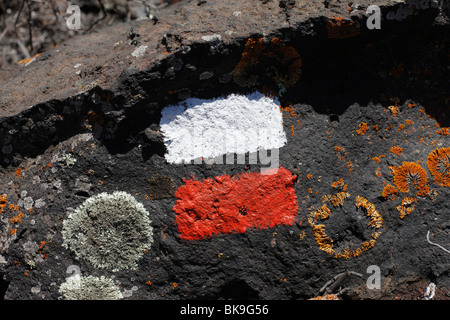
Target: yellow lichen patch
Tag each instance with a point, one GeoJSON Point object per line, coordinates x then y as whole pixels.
{"type": "Point", "coordinates": [339, 198]}
{"type": "Point", "coordinates": [396, 150]}
{"type": "Point", "coordinates": [411, 173]}
{"type": "Point", "coordinates": [362, 128]}
{"type": "Point", "coordinates": [322, 213]}
{"type": "Point", "coordinates": [406, 207]}
{"type": "Point", "coordinates": [376, 220]}
{"type": "Point", "coordinates": [325, 242]}
{"type": "Point", "coordinates": [394, 110]}
{"type": "Point", "coordinates": [302, 235]}
{"type": "Point", "coordinates": [389, 192]}
{"type": "Point", "coordinates": [438, 163]}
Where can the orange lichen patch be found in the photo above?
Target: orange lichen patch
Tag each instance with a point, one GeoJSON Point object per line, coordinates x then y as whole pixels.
{"type": "Point", "coordinates": [396, 150]}
{"type": "Point", "coordinates": [394, 110]}
{"type": "Point", "coordinates": [289, 112]}
{"type": "Point", "coordinates": [339, 149]}
{"type": "Point", "coordinates": [389, 192]}
{"type": "Point", "coordinates": [341, 152]}
{"type": "Point", "coordinates": [337, 184]}
{"type": "Point", "coordinates": [376, 159]}
{"type": "Point", "coordinates": [438, 162]}
{"type": "Point", "coordinates": [443, 131]}
{"type": "Point", "coordinates": [362, 128]}
{"type": "Point", "coordinates": [18, 172]}
{"type": "Point", "coordinates": [338, 28]}
{"type": "Point", "coordinates": [411, 173]}
{"type": "Point", "coordinates": [406, 207]}
{"type": "Point", "coordinates": [366, 245]}
{"type": "Point", "coordinates": [378, 172]}
{"type": "Point", "coordinates": [41, 246]}
{"type": "Point", "coordinates": [409, 122]}
{"type": "Point", "coordinates": [13, 206]}
{"type": "Point", "coordinates": [3, 202]}
{"type": "Point", "coordinates": [326, 297]}
{"type": "Point", "coordinates": [309, 176]}
{"type": "Point", "coordinates": [274, 60]}
{"type": "Point", "coordinates": [12, 231]}
{"type": "Point", "coordinates": [349, 166]}
{"type": "Point", "coordinates": [16, 219]}
{"type": "Point", "coordinates": [401, 127]}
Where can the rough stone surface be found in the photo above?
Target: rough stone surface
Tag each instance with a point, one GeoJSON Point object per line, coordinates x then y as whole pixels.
{"type": "Point", "coordinates": [84, 118]}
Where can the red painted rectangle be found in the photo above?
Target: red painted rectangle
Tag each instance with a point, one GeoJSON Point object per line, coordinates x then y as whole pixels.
{"type": "Point", "coordinates": [228, 204]}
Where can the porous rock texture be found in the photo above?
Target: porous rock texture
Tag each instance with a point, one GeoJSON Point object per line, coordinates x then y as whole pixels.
{"type": "Point", "coordinates": [84, 118]}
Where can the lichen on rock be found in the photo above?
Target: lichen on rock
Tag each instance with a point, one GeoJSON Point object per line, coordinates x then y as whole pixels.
{"type": "Point", "coordinates": [111, 231]}
{"type": "Point", "coordinates": [78, 287]}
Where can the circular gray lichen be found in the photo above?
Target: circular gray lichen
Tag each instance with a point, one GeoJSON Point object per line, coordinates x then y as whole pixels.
{"type": "Point", "coordinates": [89, 288]}
{"type": "Point", "coordinates": [111, 231]}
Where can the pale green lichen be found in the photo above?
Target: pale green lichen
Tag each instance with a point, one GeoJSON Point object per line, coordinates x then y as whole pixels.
{"type": "Point", "coordinates": [111, 231]}
{"type": "Point", "coordinates": [79, 287]}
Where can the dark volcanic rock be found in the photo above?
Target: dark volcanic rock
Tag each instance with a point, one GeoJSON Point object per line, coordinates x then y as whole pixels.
{"type": "Point", "coordinates": [83, 119]}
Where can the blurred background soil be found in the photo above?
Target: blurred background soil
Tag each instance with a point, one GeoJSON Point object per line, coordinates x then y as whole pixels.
{"type": "Point", "coordinates": [30, 27]}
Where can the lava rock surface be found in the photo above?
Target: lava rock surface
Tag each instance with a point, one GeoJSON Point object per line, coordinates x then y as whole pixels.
{"type": "Point", "coordinates": [83, 118]}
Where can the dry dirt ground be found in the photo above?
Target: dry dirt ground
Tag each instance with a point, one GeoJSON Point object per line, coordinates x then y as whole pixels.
{"type": "Point", "coordinates": [30, 27]}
